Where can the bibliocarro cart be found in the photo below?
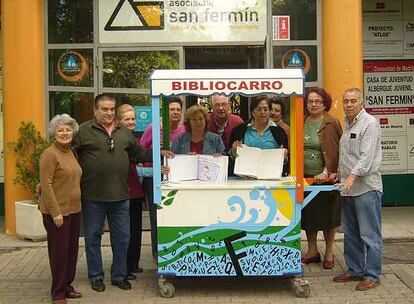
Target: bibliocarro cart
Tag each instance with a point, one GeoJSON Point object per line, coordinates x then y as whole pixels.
{"type": "Point", "coordinates": [239, 228]}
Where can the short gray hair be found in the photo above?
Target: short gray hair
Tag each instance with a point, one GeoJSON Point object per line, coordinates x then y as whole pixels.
{"type": "Point", "coordinates": [62, 119]}
{"type": "Point", "coordinates": [357, 92]}
{"type": "Point", "coordinates": [213, 97]}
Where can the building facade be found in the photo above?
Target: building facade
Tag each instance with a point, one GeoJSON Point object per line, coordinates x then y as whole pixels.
{"type": "Point", "coordinates": [58, 54]}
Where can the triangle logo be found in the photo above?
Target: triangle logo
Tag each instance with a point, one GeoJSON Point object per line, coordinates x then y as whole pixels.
{"type": "Point", "coordinates": [130, 15]}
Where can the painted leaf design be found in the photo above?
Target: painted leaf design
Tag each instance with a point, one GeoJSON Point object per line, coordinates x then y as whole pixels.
{"type": "Point", "coordinates": [168, 202]}
{"type": "Point", "coordinates": [172, 193]}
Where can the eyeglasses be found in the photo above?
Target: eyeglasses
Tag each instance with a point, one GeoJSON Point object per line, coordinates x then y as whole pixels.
{"type": "Point", "coordinates": [110, 142]}
{"type": "Point", "coordinates": [317, 102]}
{"type": "Point", "coordinates": [220, 105]}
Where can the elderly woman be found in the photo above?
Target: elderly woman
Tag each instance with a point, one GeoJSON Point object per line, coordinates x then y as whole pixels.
{"type": "Point", "coordinates": [321, 143]}
{"type": "Point", "coordinates": [261, 131]}
{"type": "Point", "coordinates": [60, 204]}
{"type": "Point", "coordinates": [277, 112]}
{"type": "Point", "coordinates": [196, 139]}
{"type": "Point", "coordinates": [125, 114]}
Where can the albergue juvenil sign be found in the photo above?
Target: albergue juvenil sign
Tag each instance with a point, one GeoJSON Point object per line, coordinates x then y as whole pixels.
{"type": "Point", "coordinates": [182, 21]}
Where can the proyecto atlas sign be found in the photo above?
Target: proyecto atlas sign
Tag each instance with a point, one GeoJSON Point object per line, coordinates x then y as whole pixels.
{"type": "Point", "coordinates": [184, 21]}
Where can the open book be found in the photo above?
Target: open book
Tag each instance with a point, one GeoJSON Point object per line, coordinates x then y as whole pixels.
{"type": "Point", "coordinates": [259, 163]}
{"type": "Point", "coordinates": [208, 168]}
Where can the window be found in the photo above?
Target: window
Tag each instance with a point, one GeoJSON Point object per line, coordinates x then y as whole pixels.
{"type": "Point", "coordinates": [76, 104]}
{"type": "Point", "coordinates": [302, 47]}
{"type": "Point", "coordinates": [71, 67]}
{"type": "Point", "coordinates": [132, 69]}
{"type": "Point", "coordinates": [70, 21]}
{"type": "Point", "coordinates": [303, 17]}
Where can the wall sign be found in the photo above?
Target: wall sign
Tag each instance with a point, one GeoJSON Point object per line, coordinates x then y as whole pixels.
{"type": "Point", "coordinates": [384, 9]}
{"type": "Point", "coordinates": [185, 21]}
{"type": "Point", "coordinates": [72, 66]}
{"type": "Point", "coordinates": [389, 95]}
{"type": "Point", "coordinates": [383, 38]}
{"type": "Point", "coordinates": [143, 117]}
{"type": "Point", "coordinates": [281, 27]}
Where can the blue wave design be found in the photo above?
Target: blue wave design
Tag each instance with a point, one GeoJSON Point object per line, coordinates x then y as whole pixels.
{"type": "Point", "coordinates": [236, 200]}
{"type": "Point", "coordinates": [251, 225]}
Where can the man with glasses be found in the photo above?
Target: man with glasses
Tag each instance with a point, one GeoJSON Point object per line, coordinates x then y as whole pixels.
{"type": "Point", "coordinates": [222, 122]}
{"type": "Point", "coordinates": [359, 162]}
{"type": "Point", "coordinates": [105, 148]}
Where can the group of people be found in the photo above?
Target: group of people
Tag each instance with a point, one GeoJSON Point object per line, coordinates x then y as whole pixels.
{"type": "Point", "coordinates": [91, 170]}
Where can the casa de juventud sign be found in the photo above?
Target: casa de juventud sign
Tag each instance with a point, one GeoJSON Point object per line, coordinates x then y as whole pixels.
{"type": "Point", "coordinates": [181, 21]}
{"type": "Point", "coordinates": [389, 96]}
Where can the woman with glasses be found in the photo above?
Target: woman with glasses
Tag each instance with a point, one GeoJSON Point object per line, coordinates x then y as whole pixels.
{"type": "Point", "coordinates": [260, 131]}
{"type": "Point", "coordinates": [321, 143]}
{"type": "Point", "coordinates": [60, 204]}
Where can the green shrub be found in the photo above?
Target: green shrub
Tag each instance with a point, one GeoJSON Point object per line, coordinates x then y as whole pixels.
{"type": "Point", "coordinates": [28, 148]}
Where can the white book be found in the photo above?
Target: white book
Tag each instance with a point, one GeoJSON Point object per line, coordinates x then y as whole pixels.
{"type": "Point", "coordinates": [184, 167]}
{"type": "Point", "coordinates": [259, 163]}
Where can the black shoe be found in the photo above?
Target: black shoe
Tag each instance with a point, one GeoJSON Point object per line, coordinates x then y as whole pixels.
{"type": "Point", "coordinates": [131, 276]}
{"type": "Point", "coordinates": [98, 285]}
{"type": "Point", "coordinates": [137, 270]}
{"type": "Point", "coordinates": [123, 284]}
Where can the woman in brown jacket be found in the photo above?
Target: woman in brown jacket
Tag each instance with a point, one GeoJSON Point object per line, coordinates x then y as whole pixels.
{"type": "Point", "coordinates": [321, 151]}
{"type": "Point", "coordinates": [60, 204]}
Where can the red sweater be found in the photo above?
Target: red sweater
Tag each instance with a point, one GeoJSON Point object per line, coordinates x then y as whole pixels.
{"type": "Point", "coordinates": [232, 122]}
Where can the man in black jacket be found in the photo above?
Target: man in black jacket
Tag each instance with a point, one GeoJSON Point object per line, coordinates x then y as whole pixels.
{"type": "Point", "coordinates": [105, 149]}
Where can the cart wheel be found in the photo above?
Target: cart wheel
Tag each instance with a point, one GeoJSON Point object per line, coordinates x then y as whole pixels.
{"type": "Point", "coordinates": [167, 290]}
{"type": "Point", "coordinates": [302, 291]}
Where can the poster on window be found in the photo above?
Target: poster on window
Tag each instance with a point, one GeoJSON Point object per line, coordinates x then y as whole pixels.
{"type": "Point", "coordinates": [409, 37]}
{"type": "Point", "coordinates": [389, 95]}
{"type": "Point", "coordinates": [385, 9]}
{"type": "Point", "coordinates": [383, 38]}
{"type": "Point", "coordinates": [182, 21]}
{"type": "Point", "coordinates": [410, 142]}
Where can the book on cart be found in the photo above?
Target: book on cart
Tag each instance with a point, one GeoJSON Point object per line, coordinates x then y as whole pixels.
{"type": "Point", "coordinates": [259, 163]}
{"type": "Point", "coordinates": [185, 167]}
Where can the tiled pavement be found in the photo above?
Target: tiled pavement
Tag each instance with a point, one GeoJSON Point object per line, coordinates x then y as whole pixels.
{"type": "Point", "coordinates": [25, 278]}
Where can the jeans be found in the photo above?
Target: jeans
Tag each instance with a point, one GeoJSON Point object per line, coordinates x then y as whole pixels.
{"type": "Point", "coordinates": [361, 222]}
{"type": "Point", "coordinates": [93, 220]}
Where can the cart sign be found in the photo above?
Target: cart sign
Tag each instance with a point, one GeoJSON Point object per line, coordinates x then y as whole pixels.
{"type": "Point", "coordinates": [247, 82]}
{"type": "Point", "coordinates": [184, 21]}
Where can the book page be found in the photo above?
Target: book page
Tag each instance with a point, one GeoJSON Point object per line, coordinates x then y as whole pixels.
{"type": "Point", "coordinates": [247, 161]}
{"type": "Point", "coordinates": [271, 164]}
{"type": "Point", "coordinates": [183, 167]}
{"type": "Point", "coordinates": [212, 169]}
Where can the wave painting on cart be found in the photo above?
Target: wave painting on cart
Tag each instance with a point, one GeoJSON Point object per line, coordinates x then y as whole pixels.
{"type": "Point", "coordinates": [229, 232]}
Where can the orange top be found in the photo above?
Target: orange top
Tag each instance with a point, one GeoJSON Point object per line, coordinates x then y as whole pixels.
{"type": "Point", "coordinates": [60, 176]}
